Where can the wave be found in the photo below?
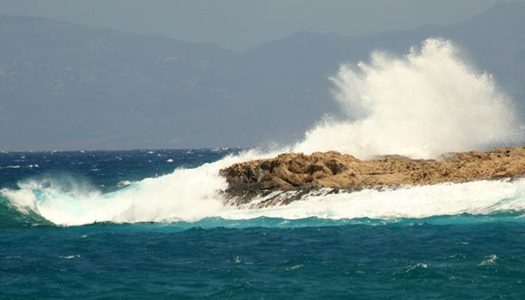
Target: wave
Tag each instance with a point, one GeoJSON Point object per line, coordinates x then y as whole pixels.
{"type": "Point", "coordinates": [420, 105]}
{"type": "Point", "coordinates": [186, 194]}
{"type": "Point", "coordinates": [161, 200]}
{"type": "Point", "coordinates": [12, 217]}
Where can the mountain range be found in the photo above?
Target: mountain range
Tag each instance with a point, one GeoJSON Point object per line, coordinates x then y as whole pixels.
{"type": "Point", "coordinates": [67, 86]}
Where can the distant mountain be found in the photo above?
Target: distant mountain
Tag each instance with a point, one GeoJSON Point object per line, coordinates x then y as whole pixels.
{"type": "Point", "coordinates": [69, 86]}
{"type": "Point", "coordinates": [65, 86]}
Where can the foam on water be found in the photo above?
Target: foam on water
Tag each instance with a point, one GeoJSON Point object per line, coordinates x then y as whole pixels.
{"type": "Point", "coordinates": [423, 104]}
{"type": "Point", "coordinates": [191, 195]}
{"type": "Point", "coordinates": [474, 198]}
{"type": "Point", "coordinates": [186, 194]}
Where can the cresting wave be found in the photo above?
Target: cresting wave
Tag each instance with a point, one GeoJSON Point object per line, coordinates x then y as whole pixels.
{"type": "Point", "coordinates": [420, 105]}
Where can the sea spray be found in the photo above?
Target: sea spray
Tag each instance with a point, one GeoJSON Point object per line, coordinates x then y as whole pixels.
{"type": "Point", "coordinates": [421, 105]}
{"type": "Point", "coordinates": [166, 199]}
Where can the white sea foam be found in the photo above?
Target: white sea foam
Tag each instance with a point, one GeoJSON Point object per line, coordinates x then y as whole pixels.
{"type": "Point", "coordinates": [11, 167]}
{"type": "Point", "coordinates": [423, 104]}
{"type": "Point", "coordinates": [185, 194]}
{"type": "Point", "coordinates": [477, 198]}
{"type": "Point", "coordinates": [191, 195]}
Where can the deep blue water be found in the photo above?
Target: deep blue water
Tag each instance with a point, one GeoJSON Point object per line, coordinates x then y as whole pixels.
{"type": "Point", "coordinates": [462, 256]}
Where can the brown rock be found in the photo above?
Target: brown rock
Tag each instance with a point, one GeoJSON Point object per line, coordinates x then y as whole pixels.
{"type": "Point", "coordinates": [299, 172]}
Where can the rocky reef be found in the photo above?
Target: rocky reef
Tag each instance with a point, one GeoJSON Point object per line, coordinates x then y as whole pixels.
{"type": "Point", "coordinates": [288, 176]}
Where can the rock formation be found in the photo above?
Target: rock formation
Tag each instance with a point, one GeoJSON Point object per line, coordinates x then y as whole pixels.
{"type": "Point", "coordinates": [302, 173]}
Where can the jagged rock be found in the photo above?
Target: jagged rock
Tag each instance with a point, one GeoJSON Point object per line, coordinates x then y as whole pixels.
{"type": "Point", "coordinates": [300, 172]}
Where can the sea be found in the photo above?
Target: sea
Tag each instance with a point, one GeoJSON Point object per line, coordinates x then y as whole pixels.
{"type": "Point", "coordinates": [155, 224]}
{"type": "Point", "coordinates": [116, 224]}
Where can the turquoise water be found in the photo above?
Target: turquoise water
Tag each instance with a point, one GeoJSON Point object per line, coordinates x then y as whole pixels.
{"type": "Point", "coordinates": [442, 256]}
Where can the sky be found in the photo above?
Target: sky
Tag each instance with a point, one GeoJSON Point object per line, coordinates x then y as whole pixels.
{"type": "Point", "coordinates": [244, 24]}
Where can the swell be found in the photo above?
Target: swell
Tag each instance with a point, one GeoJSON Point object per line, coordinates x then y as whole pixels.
{"type": "Point", "coordinates": [12, 217]}
{"type": "Point", "coordinates": [267, 222]}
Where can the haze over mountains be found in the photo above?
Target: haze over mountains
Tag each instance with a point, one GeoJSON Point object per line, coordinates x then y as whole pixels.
{"type": "Point", "coordinates": [65, 86]}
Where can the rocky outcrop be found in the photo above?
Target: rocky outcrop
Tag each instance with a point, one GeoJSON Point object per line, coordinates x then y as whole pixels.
{"type": "Point", "coordinates": [333, 170]}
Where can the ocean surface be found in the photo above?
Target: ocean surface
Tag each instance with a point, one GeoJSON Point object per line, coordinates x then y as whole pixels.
{"type": "Point", "coordinates": [406, 252]}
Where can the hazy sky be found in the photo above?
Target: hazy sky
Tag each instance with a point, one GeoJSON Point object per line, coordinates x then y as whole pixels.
{"type": "Point", "coordinates": [242, 24]}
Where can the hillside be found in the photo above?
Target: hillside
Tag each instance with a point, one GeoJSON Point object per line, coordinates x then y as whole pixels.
{"type": "Point", "coordinates": [85, 87]}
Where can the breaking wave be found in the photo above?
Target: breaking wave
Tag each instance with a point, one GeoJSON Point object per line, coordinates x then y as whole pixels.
{"type": "Point", "coordinates": [164, 200]}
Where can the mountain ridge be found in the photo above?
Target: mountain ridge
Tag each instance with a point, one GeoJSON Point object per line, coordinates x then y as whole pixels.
{"type": "Point", "coordinates": [104, 89]}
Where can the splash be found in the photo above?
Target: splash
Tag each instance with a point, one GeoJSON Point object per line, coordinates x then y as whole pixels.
{"type": "Point", "coordinates": [191, 195]}
{"type": "Point", "coordinates": [423, 104]}
{"type": "Point", "coordinates": [420, 105]}
{"type": "Point", "coordinates": [184, 195]}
